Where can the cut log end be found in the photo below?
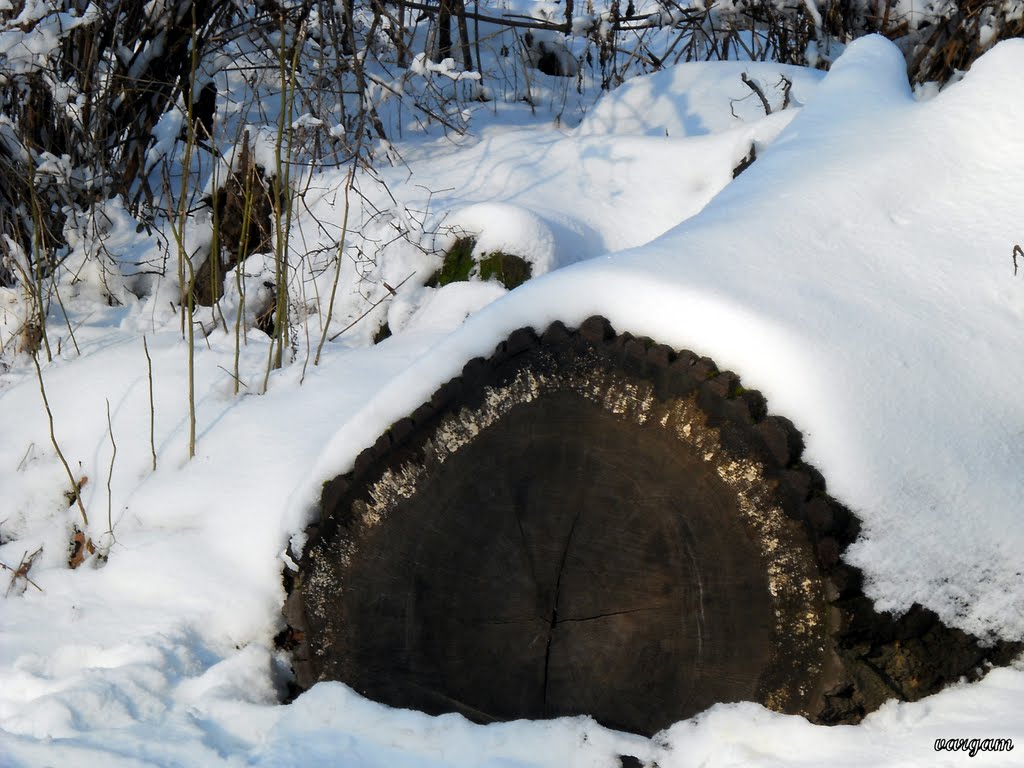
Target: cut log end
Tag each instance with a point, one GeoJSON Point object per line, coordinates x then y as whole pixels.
{"type": "Point", "coordinates": [588, 523]}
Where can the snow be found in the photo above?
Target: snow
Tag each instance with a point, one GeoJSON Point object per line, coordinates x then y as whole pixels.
{"type": "Point", "coordinates": [700, 98]}
{"type": "Point", "coordinates": [858, 274]}
{"type": "Point", "coordinates": [27, 40]}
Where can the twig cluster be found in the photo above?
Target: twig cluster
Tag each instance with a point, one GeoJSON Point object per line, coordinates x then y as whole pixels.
{"type": "Point", "coordinates": [20, 573]}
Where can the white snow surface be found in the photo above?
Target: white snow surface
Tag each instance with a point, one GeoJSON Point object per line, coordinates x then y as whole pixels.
{"type": "Point", "coordinates": [858, 274]}
{"type": "Point", "coordinates": [697, 99]}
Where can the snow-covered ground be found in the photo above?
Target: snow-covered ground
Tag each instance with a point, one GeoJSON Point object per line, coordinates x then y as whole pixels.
{"type": "Point", "coordinates": [859, 274]}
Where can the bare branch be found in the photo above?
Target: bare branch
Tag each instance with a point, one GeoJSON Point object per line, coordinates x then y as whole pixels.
{"type": "Point", "coordinates": [757, 89]}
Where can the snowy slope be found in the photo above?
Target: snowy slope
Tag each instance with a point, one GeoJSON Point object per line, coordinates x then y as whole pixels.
{"type": "Point", "coordinates": [858, 274]}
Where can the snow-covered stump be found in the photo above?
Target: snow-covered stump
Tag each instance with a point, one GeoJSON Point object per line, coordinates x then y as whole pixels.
{"type": "Point", "coordinates": [591, 523]}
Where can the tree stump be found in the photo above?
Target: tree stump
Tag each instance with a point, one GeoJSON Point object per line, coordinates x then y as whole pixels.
{"type": "Point", "coordinates": [590, 523]}
{"type": "Point", "coordinates": [243, 213]}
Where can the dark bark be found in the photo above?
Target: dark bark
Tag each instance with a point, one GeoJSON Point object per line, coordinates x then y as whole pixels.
{"type": "Point", "coordinates": [444, 30]}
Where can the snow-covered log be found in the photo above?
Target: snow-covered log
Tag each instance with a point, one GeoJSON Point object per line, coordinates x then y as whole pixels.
{"type": "Point", "coordinates": [592, 523]}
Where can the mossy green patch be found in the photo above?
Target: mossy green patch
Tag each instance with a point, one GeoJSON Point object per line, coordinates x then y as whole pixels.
{"type": "Point", "coordinates": [510, 270]}
{"type": "Point", "coordinates": [459, 266]}
{"type": "Point", "coordinates": [458, 263]}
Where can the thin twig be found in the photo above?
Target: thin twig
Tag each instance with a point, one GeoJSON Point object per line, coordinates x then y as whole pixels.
{"type": "Point", "coordinates": [190, 299]}
{"type": "Point", "coordinates": [110, 475]}
{"type": "Point", "coordinates": [25, 457]}
{"type": "Point", "coordinates": [67, 318]}
{"type": "Point", "coordinates": [233, 376]}
{"type": "Point", "coordinates": [337, 274]}
{"type": "Point", "coordinates": [152, 409]}
{"type": "Point", "coordinates": [56, 445]}
{"type": "Point", "coordinates": [373, 306]}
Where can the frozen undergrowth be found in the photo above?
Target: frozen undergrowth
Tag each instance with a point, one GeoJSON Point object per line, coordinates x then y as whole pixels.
{"type": "Point", "coordinates": [858, 273]}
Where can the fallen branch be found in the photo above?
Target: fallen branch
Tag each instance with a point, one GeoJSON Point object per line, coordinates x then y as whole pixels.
{"type": "Point", "coordinates": [760, 94]}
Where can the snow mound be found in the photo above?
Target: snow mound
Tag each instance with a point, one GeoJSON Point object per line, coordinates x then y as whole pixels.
{"type": "Point", "coordinates": [507, 228]}
{"type": "Point", "coordinates": [441, 310]}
